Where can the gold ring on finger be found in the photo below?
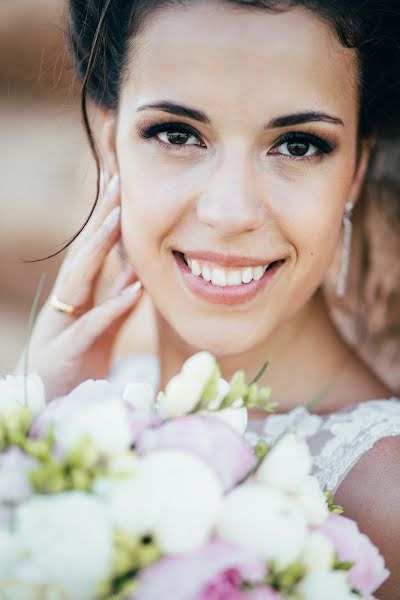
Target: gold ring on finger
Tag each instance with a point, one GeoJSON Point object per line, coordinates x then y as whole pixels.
{"type": "Point", "coordinates": [66, 309]}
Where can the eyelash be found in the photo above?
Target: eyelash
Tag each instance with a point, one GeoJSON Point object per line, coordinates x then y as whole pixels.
{"type": "Point", "coordinates": [323, 146]}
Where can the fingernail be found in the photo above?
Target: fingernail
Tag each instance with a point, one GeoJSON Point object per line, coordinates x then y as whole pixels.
{"type": "Point", "coordinates": [133, 289]}
{"type": "Point", "coordinates": [113, 185]}
{"type": "Point", "coordinates": [112, 219]}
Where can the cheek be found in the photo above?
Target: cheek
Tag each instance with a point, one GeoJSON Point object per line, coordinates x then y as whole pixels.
{"type": "Point", "coordinates": [310, 218]}
{"type": "Point", "coordinates": [155, 201]}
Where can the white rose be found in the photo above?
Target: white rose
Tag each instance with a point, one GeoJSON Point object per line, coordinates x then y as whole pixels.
{"type": "Point", "coordinates": [236, 418]}
{"type": "Point", "coordinates": [312, 500]}
{"type": "Point", "coordinates": [286, 464]}
{"type": "Point", "coordinates": [190, 495]}
{"type": "Point", "coordinates": [329, 585]}
{"type": "Point", "coordinates": [8, 554]}
{"type": "Point", "coordinates": [181, 396]}
{"type": "Point", "coordinates": [174, 496]}
{"type": "Point", "coordinates": [15, 590]}
{"type": "Point", "coordinates": [131, 504]}
{"type": "Point", "coordinates": [319, 553]}
{"type": "Point", "coordinates": [123, 465]}
{"type": "Point", "coordinates": [265, 522]}
{"type": "Point", "coordinates": [18, 393]}
{"type": "Point", "coordinates": [64, 541]}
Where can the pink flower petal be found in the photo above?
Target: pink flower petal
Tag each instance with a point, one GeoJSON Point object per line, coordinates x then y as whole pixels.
{"type": "Point", "coordinates": [185, 577]}
{"type": "Point", "coordinates": [369, 571]}
{"type": "Point", "coordinates": [215, 442]}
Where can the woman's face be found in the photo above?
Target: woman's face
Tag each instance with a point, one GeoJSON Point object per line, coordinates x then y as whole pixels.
{"type": "Point", "coordinates": [247, 164]}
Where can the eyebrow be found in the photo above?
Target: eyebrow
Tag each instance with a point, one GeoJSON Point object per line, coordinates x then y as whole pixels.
{"type": "Point", "coordinates": [178, 110]}
{"type": "Point", "coordinates": [284, 121]}
{"type": "Point", "coordinates": [305, 117]}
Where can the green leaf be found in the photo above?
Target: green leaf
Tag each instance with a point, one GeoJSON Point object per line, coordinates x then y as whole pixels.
{"type": "Point", "coordinates": [31, 322]}
{"type": "Point", "coordinates": [319, 396]}
{"type": "Point", "coordinates": [260, 373]}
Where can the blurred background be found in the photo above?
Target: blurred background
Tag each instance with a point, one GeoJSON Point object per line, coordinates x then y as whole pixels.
{"type": "Point", "coordinates": [47, 185]}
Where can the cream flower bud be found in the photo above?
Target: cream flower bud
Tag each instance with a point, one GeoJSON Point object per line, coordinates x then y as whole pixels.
{"type": "Point", "coordinates": [200, 366]}
{"type": "Point", "coordinates": [181, 396]}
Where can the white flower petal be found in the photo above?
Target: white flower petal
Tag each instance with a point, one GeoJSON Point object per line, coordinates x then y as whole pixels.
{"type": "Point", "coordinates": [329, 585]}
{"type": "Point", "coordinates": [68, 539]}
{"type": "Point", "coordinates": [181, 396]}
{"type": "Point", "coordinates": [188, 492]}
{"type": "Point", "coordinates": [319, 553]}
{"type": "Point", "coordinates": [312, 500]}
{"type": "Point", "coordinates": [237, 418]}
{"type": "Point", "coordinates": [18, 392]}
{"type": "Point", "coordinates": [139, 395]}
{"type": "Point", "coordinates": [265, 522]}
{"type": "Point", "coordinates": [286, 464]}
{"type": "Point", "coordinates": [200, 367]}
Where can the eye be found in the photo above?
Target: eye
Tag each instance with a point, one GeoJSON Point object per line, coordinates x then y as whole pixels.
{"type": "Point", "coordinates": [299, 145]}
{"type": "Point", "coordinates": [172, 134]}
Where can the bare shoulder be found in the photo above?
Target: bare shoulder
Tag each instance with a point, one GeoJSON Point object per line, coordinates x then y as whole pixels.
{"type": "Point", "coordinates": [370, 494]}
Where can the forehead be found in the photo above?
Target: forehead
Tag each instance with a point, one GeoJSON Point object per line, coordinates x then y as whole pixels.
{"type": "Point", "coordinates": [227, 58]}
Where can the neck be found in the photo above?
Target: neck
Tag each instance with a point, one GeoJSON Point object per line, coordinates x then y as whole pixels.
{"type": "Point", "coordinates": [304, 356]}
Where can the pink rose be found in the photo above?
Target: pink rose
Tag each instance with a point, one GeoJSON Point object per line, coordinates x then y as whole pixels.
{"type": "Point", "coordinates": [224, 450]}
{"type": "Point", "coordinates": [227, 584]}
{"type": "Point", "coordinates": [369, 571]}
{"type": "Point", "coordinates": [189, 576]}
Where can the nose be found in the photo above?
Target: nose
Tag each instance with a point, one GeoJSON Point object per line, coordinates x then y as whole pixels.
{"type": "Point", "coordinates": [231, 202]}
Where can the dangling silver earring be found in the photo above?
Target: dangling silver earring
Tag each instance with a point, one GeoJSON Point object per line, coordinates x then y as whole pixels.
{"type": "Point", "coordinates": [347, 235]}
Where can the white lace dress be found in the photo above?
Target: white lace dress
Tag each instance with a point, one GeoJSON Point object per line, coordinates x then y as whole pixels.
{"type": "Point", "coordinates": [337, 441]}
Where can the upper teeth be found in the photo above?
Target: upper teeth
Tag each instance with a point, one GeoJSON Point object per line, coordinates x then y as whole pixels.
{"type": "Point", "coordinates": [222, 276]}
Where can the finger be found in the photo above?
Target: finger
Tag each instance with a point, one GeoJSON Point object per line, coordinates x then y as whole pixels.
{"type": "Point", "coordinates": [75, 283]}
{"type": "Point", "coordinates": [88, 328]}
{"type": "Point", "coordinates": [108, 200]}
{"type": "Point", "coordinates": [104, 181]}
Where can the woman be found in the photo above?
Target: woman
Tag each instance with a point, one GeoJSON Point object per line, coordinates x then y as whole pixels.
{"type": "Point", "coordinates": [236, 140]}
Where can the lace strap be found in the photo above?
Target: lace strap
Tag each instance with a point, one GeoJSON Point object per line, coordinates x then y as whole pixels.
{"type": "Point", "coordinates": [350, 434]}
{"type": "Point", "coordinates": [337, 441]}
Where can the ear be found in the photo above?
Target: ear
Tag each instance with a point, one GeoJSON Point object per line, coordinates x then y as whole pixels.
{"type": "Point", "coordinates": [363, 158]}
{"type": "Point", "coordinates": [107, 146]}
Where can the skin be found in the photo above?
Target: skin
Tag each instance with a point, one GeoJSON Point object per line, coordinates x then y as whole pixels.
{"type": "Point", "coordinates": [232, 189]}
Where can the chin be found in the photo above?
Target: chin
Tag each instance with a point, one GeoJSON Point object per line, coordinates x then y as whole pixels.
{"type": "Point", "coordinates": [221, 336]}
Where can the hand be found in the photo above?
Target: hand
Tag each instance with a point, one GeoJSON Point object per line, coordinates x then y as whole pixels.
{"type": "Point", "coordinates": [66, 350]}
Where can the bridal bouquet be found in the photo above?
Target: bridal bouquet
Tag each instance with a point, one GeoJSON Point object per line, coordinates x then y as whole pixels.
{"type": "Point", "coordinates": [128, 497]}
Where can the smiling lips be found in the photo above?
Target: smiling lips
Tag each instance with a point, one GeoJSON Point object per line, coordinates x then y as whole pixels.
{"type": "Point", "coordinates": [222, 276]}
{"type": "Point", "coordinates": [219, 279]}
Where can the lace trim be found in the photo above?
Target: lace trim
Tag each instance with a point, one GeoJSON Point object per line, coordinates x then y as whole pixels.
{"type": "Point", "coordinates": [337, 441]}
